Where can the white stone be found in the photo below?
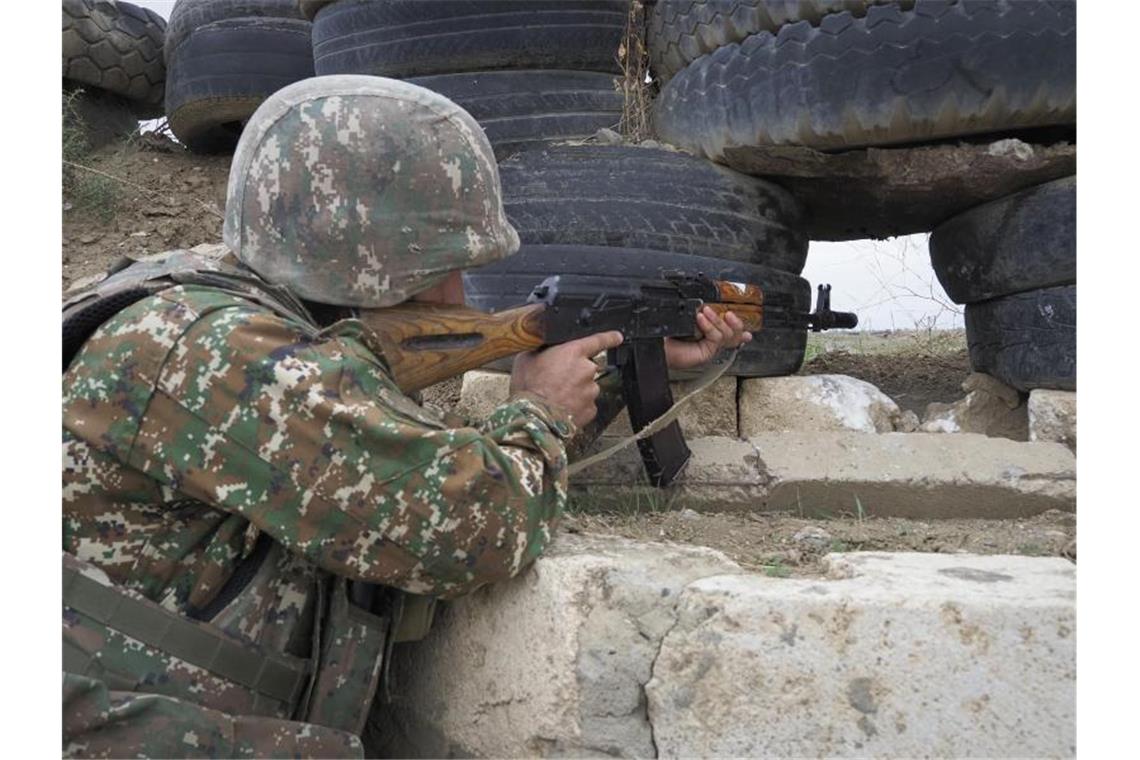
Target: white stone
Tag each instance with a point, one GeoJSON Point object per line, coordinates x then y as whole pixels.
{"type": "Point", "coordinates": [1053, 417]}
{"type": "Point", "coordinates": [816, 403]}
{"type": "Point", "coordinates": [918, 475]}
{"type": "Point", "coordinates": [900, 655]}
{"type": "Point", "coordinates": [553, 662]}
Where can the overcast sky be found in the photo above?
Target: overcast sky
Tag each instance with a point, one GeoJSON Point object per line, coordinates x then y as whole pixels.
{"type": "Point", "coordinates": [889, 284]}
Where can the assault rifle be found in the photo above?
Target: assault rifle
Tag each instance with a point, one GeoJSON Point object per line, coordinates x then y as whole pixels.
{"type": "Point", "coordinates": [427, 343]}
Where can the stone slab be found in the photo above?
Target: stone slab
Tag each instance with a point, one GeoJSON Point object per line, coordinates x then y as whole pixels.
{"type": "Point", "coordinates": [899, 655]}
{"type": "Point", "coordinates": [917, 475]}
{"type": "Point", "coordinates": [552, 663]}
{"type": "Point", "coordinates": [885, 192]}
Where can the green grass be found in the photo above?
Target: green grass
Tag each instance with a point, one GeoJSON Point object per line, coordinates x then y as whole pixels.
{"type": "Point", "coordinates": [777, 570]}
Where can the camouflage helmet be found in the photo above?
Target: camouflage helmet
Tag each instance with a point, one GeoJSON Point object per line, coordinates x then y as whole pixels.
{"type": "Point", "coordinates": [362, 191]}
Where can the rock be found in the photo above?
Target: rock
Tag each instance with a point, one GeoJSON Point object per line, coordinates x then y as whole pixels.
{"type": "Point", "coordinates": [650, 144]}
{"type": "Point", "coordinates": [689, 515]}
{"type": "Point", "coordinates": [1011, 147]}
{"type": "Point", "coordinates": [89, 237]}
{"type": "Point", "coordinates": [1053, 417]}
{"type": "Point", "coordinates": [551, 663]}
{"type": "Point", "coordinates": [815, 403]}
{"type": "Point", "coordinates": [481, 393]}
{"type": "Point", "coordinates": [915, 475]}
{"type": "Point", "coordinates": [908, 422]}
{"type": "Point", "coordinates": [710, 412]}
{"type": "Point", "coordinates": [990, 407]}
{"type": "Point", "coordinates": [607, 136]}
{"type": "Point", "coordinates": [898, 655]}
{"type": "Point", "coordinates": [813, 536]}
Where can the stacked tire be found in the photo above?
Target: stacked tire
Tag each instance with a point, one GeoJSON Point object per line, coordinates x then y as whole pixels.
{"type": "Point", "coordinates": [113, 71]}
{"type": "Point", "coordinates": [847, 75]}
{"type": "Point", "coordinates": [539, 77]}
{"type": "Point", "coordinates": [1013, 263]}
{"type": "Point", "coordinates": [843, 74]}
{"type": "Point", "coordinates": [528, 72]}
{"type": "Point", "coordinates": [223, 58]}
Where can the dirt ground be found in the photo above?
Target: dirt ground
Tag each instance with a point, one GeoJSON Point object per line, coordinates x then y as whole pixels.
{"type": "Point", "coordinates": [139, 197]}
{"type": "Point", "coordinates": [148, 195]}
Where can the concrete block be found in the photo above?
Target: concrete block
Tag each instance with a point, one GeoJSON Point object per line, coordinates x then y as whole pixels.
{"type": "Point", "coordinates": [1053, 417]}
{"type": "Point", "coordinates": [917, 475]}
{"type": "Point", "coordinates": [552, 663]}
{"type": "Point", "coordinates": [816, 403]}
{"type": "Point", "coordinates": [722, 475]}
{"type": "Point", "coordinates": [900, 655]}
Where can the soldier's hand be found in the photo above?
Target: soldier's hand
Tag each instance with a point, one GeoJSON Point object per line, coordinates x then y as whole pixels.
{"type": "Point", "coordinates": [563, 375]}
{"type": "Point", "coordinates": [718, 333]}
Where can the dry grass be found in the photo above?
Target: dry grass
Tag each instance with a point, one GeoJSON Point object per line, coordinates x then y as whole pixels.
{"type": "Point", "coordinates": [636, 90]}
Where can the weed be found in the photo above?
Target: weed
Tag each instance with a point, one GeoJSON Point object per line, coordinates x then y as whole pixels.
{"type": "Point", "coordinates": [626, 502]}
{"type": "Point", "coordinates": [838, 546]}
{"type": "Point", "coordinates": [777, 570]}
{"type": "Point", "coordinates": [95, 194]}
{"type": "Point", "coordinates": [1031, 550]}
{"type": "Point", "coordinates": [859, 509]}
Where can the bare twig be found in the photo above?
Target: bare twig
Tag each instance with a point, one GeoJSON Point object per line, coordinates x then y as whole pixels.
{"type": "Point", "coordinates": [209, 208]}
{"type": "Point", "coordinates": [634, 59]}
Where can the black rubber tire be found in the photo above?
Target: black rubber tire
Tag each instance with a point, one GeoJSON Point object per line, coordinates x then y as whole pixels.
{"type": "Point", "coordinates": [680, 31]}
{"type": "Point", "coordinates": [632, 197]}
{"type": "Point", "coordinates": [778, 349]}
{"type": "Point", "coordinates": [188, 15]}
{"type": "Point", "coordinates": [222, 72]}
{"type": "Point", "coordinates": [1026, 340]}
{"type": "Point", "coordinates": [519, 109]}
{"type": "Point", "coordinates": [407, 38]}
{"type": "Point", "coordinates": [1021, 242]}
{"type": "Point", "coordinates": [310, 8]}
{"type": "Point", "coordinates": [895, 77]}
{"type": "Point", "coordinates": [117, 47]}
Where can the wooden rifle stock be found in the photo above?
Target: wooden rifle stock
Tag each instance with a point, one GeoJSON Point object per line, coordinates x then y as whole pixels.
{"type": "Point", "coordinates": [425, 344]}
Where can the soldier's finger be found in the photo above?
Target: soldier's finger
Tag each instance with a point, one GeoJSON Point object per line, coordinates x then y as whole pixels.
{"type": "Point", "coordinates": [592, 344]}
{"type": "Point", "coordinates": [712, 327]}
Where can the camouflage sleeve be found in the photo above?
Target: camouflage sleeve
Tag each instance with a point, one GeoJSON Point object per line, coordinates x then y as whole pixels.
{"type": "Point", "coordinates": [98, 722]}
{"type": "Point", "coordinates": [309, 438]}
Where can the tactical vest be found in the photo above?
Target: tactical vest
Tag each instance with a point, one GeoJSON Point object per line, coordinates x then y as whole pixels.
{"type": "Point", "coordinates": [133, 644]}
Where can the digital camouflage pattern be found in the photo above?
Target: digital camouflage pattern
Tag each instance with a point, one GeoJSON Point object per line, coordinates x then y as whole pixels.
{"type": "Point", "coordinates": [98, 722]}
{"type": "Point", "coordinates": [362, 191]}
{"type": "Point", "coordinates": [196, 420]}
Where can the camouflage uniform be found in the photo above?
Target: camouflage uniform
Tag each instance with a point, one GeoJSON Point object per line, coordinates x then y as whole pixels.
{"type": "Point", "coordinates": [227, 460]}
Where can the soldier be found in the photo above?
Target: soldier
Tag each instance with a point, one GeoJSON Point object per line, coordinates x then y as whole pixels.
{"type": "Point", "coordinates": [237, 456]}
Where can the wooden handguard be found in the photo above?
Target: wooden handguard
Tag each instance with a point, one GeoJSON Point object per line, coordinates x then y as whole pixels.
{"type": "Point", "coordinates": [426, 344]}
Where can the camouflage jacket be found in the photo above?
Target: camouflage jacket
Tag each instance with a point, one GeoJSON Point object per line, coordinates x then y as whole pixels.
{"type": "Point", "coordinates": [196, 422]}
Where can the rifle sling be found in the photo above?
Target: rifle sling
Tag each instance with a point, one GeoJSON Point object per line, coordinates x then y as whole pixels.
{"type": "Point", "coordinates": [259, 671]}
